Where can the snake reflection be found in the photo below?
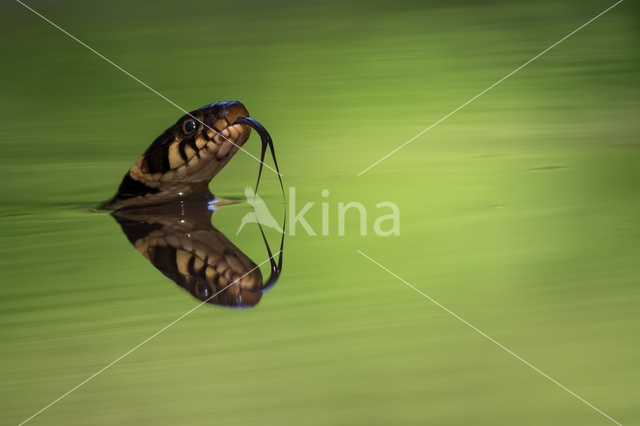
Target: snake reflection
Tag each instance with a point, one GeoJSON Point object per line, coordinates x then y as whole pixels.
{"type": "Point", "coordinates": [164, 207]}
{"type": "Point", "coordinates": [183, 244]}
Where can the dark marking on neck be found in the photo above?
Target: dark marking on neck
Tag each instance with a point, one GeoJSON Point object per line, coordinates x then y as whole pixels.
{"type": "Point", "coordinates": [130, 188]}
{"type": "Point", "coordinates": [157, 156]}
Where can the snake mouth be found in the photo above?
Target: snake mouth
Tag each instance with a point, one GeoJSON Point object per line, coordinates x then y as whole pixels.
{"type": "Point", "coordinates": [197, 158]}
{"type": "Point", "coordinates": [201, 158]}
{"type": "Point", "coordinates": [219, 144]}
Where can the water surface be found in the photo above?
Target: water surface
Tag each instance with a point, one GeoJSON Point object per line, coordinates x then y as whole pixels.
{"type": "Point", "coordinates": [519, 213]}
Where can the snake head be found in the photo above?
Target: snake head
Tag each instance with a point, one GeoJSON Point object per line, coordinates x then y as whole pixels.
{"type": "Point", "coordinates": [198, 145]}
{"type": "Point", "coordinates": [185, 157]}
{"type": "Point", "coordinates": [182, 161]}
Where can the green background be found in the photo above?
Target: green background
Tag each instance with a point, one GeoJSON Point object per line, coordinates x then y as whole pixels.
{"type": "Point", "coordinates": [519, 213]}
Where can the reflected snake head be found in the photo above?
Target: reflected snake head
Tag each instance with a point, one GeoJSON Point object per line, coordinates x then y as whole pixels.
{"type": "Point", "coordinates": [189, 250]}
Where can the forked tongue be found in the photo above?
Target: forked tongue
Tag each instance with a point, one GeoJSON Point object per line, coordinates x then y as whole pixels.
{"type": "Point", "coordinates": [266, 141]}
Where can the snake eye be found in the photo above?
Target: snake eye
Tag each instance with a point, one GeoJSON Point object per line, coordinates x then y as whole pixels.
{"type": "Point", "coordinates": [189, 127]}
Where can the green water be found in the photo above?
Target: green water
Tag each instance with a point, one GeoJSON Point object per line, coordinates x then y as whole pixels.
{"type": "Point", "coordinates": [519, 213]}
